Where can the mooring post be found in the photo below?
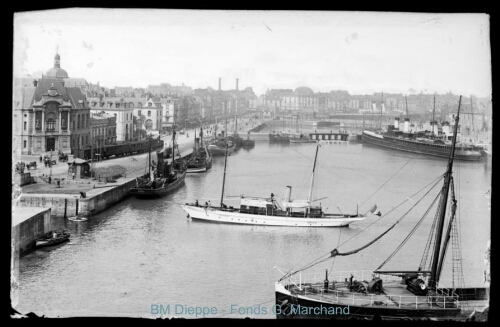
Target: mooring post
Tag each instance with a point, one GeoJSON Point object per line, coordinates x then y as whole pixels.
{"type": "Point", "coordinates": [65, 206]}
{"type": "Point", "coordinates": [76, 207]}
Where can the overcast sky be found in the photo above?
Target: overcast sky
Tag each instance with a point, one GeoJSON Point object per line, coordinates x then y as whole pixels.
{"type": "Point", "coordinates": [359, 52]}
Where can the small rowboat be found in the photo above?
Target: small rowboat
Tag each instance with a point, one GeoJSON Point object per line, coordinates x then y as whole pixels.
{"type": "Point", "coordinates": [76, 218]}
{"type": "Point", "coordinates": [52, 238]}
{"type": "Point", "coordinates": [196, 170]}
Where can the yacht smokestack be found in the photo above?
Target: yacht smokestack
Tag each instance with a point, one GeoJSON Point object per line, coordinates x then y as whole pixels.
{"type": "Point", "coordinates": [406, 127]}
{"type": "Point", "coordinates": [396, 123]}
{"type": "Point", "coordinates": [288, 193]}
{"type": "Point", "coordinates": [236, 84]}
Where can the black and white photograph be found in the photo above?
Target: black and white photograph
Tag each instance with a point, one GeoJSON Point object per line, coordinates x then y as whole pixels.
{"type": "Point", "coordinates": [251, 164]}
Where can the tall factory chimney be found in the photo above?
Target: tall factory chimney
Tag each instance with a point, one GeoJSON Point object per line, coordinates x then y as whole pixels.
{"type": "Point", "coordinates": [236, 84]}
{"type": "Point", "coordinates": [219, 83]}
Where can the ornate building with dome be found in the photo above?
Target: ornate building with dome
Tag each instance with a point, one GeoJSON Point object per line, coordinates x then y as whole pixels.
{"type": "Point", "coordinates": [49, 116]}
{"type": "Point", "coordinates": [57, 71]}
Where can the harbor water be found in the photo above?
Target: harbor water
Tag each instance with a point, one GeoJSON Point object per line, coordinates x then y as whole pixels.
{"type": "Point", "coordinates": [139, 254]}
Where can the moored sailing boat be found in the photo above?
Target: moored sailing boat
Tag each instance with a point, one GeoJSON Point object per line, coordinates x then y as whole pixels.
{"type": "Point", "coordinates": [218, 146]}
{"type": "Point", "coordinates": [393, 294]}
{"type": "Point", "coordinates": [271, 212]}
{"type": "Point", "coordinates": [248, 143]}
{"type": "Point", "coordinates": [162, 180]}
{"type": "Point", "coordinates": [201, 160]}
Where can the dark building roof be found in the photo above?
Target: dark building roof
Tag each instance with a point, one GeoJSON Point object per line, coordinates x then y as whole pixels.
{"type": "Point", "coordinates": [68, 94]}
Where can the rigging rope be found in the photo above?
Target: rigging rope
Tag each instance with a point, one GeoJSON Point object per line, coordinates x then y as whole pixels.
{"type": "Point", "coordinates": [411, 232]}
{"type": "Point", "coordinates": [430, 241]}
{"type": "Point", "coordinates": [385, 183]}
{"type": "Point", "coordinates": [333, 261]}
{"type": "Point", "coordinates": [335, 252]}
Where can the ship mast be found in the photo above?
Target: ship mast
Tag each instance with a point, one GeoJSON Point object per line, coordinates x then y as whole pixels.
{"type": "Point", "coordinates": [406, 101]}
{"type": "Point", "coordinates": [435, 270]}
{"type": "Point", "coordinates": [224, 178]}
{"type": "Point", "coordinates": [312, 179]}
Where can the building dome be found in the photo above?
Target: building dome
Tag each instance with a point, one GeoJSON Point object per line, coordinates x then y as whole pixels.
{"type": "Point", "coordinates": [57, 73]}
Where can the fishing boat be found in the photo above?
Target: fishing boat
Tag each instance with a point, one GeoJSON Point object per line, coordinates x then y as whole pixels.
{"type": "Point", "coordinates": [165, 177]}
{"type": "Point", "coordinates": [409, 141]}
{"type": "Point", "coordinates": [218, 145]}
{"type": "Point", "coordinates": [52, 238]}
{"type": "Point", "coordinates": [201, 160]}
{"type": "Point", "coordinates": [279, 138]}
{"type": "Point", "coordinates": [248, 143]}
{"type": "Point", "coordinates": [386, 294]}
{"type": "Point", "coordinates": [236, 138]}
{"type": "Point", "coordinates": [271, 211]}
{"type": "Point", "coordinates": [301, 139]}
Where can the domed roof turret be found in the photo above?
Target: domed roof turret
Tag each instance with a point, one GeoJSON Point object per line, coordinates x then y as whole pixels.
{"type": "Point", "coordinates": [57, 71]}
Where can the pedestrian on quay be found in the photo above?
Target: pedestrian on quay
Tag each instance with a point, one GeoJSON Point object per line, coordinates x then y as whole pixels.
{"type": "Point", "coordinates": [73, 175]}
{"type": "Point", "coordinates": [50, 180]}
{"type": "Point", "coordinates": [40, 159]}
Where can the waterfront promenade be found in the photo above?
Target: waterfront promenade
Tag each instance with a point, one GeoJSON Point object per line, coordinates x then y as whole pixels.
{"type": "Point", "coordinates": [87, 196]}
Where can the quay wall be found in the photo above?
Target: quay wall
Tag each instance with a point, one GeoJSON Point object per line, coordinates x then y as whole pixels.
{"type": "Point", "coordinates": [26, 232]}
{"type": "Point", "coordinates": [68, 205]}
{"type": "Point", "coordinates": [60, 205]}
{"type": "Point", "coordinates": [96, 203]}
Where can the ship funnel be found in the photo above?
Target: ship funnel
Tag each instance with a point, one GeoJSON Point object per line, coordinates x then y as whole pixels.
{"type": "Point", "coordinates": [406, 127]}
{"type": "Point", "coordinates": [288, 193]}
{"type": "Point", "coordinates": [396, 123]}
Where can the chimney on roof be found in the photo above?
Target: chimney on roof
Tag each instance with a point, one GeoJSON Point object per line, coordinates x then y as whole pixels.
{"type": "Point", "coordinates": [219, 83]}
{"type": "Point", "coordinates": [236, 84]}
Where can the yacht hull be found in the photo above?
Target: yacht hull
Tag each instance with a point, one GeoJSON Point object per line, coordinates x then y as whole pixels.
{"type": "Point", "coordinates": [234, 217]}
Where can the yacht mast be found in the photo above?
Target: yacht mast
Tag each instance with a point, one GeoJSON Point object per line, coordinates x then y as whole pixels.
{"type": "Point", "coordinates": [224, 178]}
{"type": "Point", "coordinates": [406, 101]}
{"type": "Point", "coordinates": [435, 272]}
{"type": "Point", "coordinates": [310, 199]}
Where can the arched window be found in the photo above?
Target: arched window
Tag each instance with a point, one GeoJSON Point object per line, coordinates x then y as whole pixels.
{"type": "Point", "coordinates": [25, 126]}
{"type": "Point", "coordinates": [51, 125]}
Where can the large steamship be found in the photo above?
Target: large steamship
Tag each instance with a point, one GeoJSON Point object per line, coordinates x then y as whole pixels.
{"type": "Point", "coordinates": [432, 143]}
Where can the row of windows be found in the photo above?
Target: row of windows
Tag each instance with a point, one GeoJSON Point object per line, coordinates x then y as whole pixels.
{"type": "Point", "coordinates": [102, 131]}
{"type": "Point", "coordinates": [116, 104]}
